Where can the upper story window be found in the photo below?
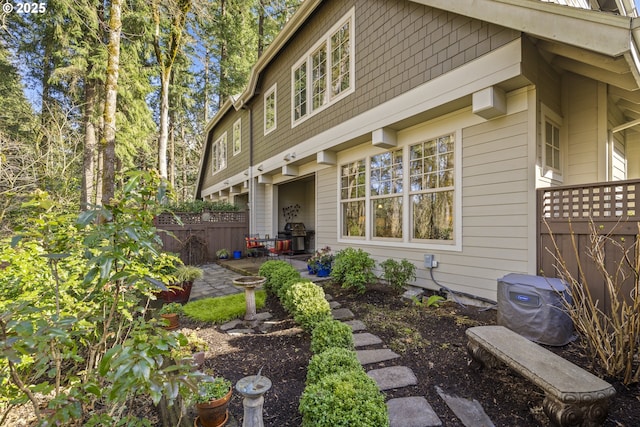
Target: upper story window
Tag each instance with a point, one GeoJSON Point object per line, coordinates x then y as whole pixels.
{"type": "Point", "coordinates": [237, 136]}
{"type": "Point", "coordinates": [325, 73]}
{"type": "Point", "coordinates": [219, 154]}
{"type": "Point", "coordinates": [270, 110]}
{"type": "Point", "coordinates": [552, 144]}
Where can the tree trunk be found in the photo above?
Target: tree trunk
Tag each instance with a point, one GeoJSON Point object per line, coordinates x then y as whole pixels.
{"type": "Point", "coordinates": [88, 191]}
{"type": "Point", "coordinates": [111, 95]}
{"type": "Point", "coordinates": [261, 28]}
{"type": "Point", "coordinates": [164, 122]}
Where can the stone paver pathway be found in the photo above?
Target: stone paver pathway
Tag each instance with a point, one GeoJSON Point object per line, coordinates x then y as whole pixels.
{"type": "Point", "coordinates": [412, 411]}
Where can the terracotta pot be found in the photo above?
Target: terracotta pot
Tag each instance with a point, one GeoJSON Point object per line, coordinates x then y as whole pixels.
{"type": "Point", "coordinates": [173, 319]}
{"type": "Point", "coordinates": [180, 295]}
{"type": "Point", "coordinates": [214, 413]}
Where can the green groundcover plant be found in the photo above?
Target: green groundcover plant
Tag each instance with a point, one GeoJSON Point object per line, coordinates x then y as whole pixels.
{"type": "Point", "coordinates": [74, 292]}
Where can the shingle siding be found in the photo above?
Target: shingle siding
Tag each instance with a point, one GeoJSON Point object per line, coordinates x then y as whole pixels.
{"type": "Point", "coordinates": [399, 46]}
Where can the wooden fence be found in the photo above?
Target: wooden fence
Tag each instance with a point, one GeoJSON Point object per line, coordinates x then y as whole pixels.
{"type": "Point", "coordinates": [571, 213]}
{"type": "Point", "coordinates": [201, 235]}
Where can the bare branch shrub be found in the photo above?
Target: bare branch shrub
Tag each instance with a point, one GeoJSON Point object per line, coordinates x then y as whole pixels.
{"type": "Point", "coordinates": [610, 330]}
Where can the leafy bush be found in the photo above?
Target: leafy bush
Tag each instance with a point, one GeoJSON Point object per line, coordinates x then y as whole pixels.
{"type": "Point", "coordinates": [331, 333]}
{"type": "Point", "coordinates": [330, 361]}
{"type": "Point", "coordinates": [72, 312]}
{"type": "Point", "coordinates": [353, 268]}
{"type": "Point", "coordinates": [398, 274]}
{"type": "Point", "coordinates": [344, 399]}
{"type": "Point", "coordinates": [310, 305]}
{"type": "Point", "coordinates": [287, 297]}
{"type": "Point", "coordinates": [281, 278]}
{"type": "Point", "coordinates": [277, 273]}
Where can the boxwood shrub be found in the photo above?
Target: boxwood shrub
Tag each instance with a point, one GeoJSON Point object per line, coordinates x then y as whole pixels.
{"type": "Point", "coordinates": [310, 305]}
{"type": "Point", "coordinates": [268, 268]}
{"type": "Point", "coordinates": [330, 361]}
{"type": "Point", "coordinates": [353, 268]}
{"type": "Point", "coordinates": [343, 399]}
{"type": "Point", "coordinates": [331, 333]}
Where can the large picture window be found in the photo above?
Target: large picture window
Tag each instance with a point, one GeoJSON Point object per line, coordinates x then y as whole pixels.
{"type": "Point", "coordinates": [431, 187]}
{"type": "Point", "coordinates": [219, 154]}
{"type": "Point", "coordinates": [405, 194]}
{"type": "Point", "coordinates": [325, 74]}
{"type": "Point", "coordinates": [353, 186]}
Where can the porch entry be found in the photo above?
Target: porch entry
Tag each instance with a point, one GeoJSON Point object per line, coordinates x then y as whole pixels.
{"type": "Point", "coordinates": [295, 213]}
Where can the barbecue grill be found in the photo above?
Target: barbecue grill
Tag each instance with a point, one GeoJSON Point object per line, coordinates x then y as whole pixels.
{"type": "Point", "coordinates": [297, 232]}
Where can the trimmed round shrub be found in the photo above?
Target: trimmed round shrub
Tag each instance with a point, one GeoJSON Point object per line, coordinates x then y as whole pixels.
{"type": "Point", "coordinates": [331, 333]}
{"type": "Point", "coordinates": [330, 361]}
{"type": "Point", "coordinates": [286, 299]}
{"type": "Point", "coordinates": [268, 268]}
{"type": "Point", "coordinates": [344, 399]}
{"type": "Point", "coordinates": [353, 268]}
{"type": "Point", "coordinates": [281, 277]}
{"type": "Point", "coordinates": [309, 304]}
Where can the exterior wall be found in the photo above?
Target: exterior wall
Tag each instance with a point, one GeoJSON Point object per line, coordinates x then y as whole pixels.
{"type": "Point", "coordinates": [581, 115]}
{"type": "Point", "coordinates": [399, 45]}
{"type": "Point", "coordinates": [633, 154]}
{"type": "Point", "coordinates": [498, 210]}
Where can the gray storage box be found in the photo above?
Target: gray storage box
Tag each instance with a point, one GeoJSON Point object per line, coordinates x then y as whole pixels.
{"type": "Point", "coordinates": [533, 307]}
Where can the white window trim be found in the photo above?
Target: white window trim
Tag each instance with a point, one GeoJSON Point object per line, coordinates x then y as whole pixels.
{"type": "Point", "coordinates": [220, 142]}
{"type": "Point", "coordinates": [548, 115]}
{"type": "Point", "coordinates": [412, 138]}
{"type": "Point", "coordinates": [306, 59]}
{"type": "Point", "coordinates": [237, 133]}
{"type": "Point", "coordinates": [272, 90]}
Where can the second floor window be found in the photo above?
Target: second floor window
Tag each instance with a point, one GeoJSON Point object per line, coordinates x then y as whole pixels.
{"type": "Point", "coordinates": [237, 137]}
{"type": "Point", "coordinates": [219, 154]}
{"type": "Point", "coordinates": [325, 74]}
{"type": "Point", "coordinates": [270, 112]}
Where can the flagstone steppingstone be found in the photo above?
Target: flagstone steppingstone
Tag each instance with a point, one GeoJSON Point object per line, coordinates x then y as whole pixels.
{"type": "Point", "coordinates": [393, 377]}
{"type": "Point", "coordinates": [342, 314]}
{"type": "Point", "coordinates": [328, 297]}
{"type": "Point", "coordinates": [230, 325]}
{"type": "Point", "coordinates": [412, 411]}
{"type": "Point", "coordinates": [244, 331]}
{"type": "Point", "coordinates": [356, 325]}
{"type": "Point", "coordinates": [366, 357]}
{"type": "Point", "coordinates": [365, 338]}
{"type": "Point", "coordinates": [334, 305]}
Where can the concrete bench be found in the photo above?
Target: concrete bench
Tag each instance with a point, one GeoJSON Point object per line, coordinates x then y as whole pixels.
{"type": "Point", "coordinates": [573, 396]}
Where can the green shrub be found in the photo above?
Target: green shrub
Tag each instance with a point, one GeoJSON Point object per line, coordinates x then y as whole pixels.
{"type": "Point", "coordinates": [398, 274]}
{"type": "Point", "coordinates": [353, 268]}
{"type": "Point", "coordinates": [331, 333]}
{"type": "Point", "coordinates": [281, 278]}
{"type": "Point", "coordinates": [309, 304]}
{"type": "Point", "coordinates": [344, 399]}
{"type": "Point", "coordinates": [268, 268]}
{"type": "Point", "coordinates": [330, 361]}
{"type": "Point", "coordinates": [287, 300]}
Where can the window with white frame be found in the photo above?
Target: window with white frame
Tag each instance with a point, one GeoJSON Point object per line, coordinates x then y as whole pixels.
{"type": "Point", "coordinates": [237, 136]}
{"type": "Point", "coordinates": [270, 110]}
{"type": "Point", "coordinates": [326, 73]}
{"type": "Point", "coordinates": [431, 181]}
{"type": "Point", "coordinates": [353, 188]}
{"type": "Point", "coordinates": [552, 144]}
{"type": "Point", "coordinates": [219, 154]}
{"type": "Point", "coordinates": [404, 194]}
{"type": "Point", "coordinates": [385, 184]}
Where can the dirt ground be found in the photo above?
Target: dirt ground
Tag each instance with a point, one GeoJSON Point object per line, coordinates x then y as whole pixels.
{"type": "Point", "coordinates": [431, 342]}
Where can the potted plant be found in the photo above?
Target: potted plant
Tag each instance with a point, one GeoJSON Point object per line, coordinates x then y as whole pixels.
{"type": "Point", "coordinates": [180, 290]}
{"type": "Point", "coordinates": [324, 261]}
{"type": "Point", "coordinates": [222, 253]}
{"type": "Point", "coordinates": [312, 265]}
{"type": "Point", "coordinates": [212, 401]}
{"type": "Point", "coordinates": [171, 313]}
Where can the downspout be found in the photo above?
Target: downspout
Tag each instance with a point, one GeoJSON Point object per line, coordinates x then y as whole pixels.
{"type": "Point", "coordinates": [252, 194]}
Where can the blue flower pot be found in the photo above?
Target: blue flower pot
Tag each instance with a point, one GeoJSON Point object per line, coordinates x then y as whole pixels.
{"type": "Point", "coordinates": [324, 271]}
{"type": "Point", "coordinates": [312, 270]}
{"type": "Point", "coordinates": [237, 254]}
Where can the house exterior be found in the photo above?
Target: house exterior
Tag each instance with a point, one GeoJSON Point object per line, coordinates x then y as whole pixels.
{"type": "Point", "coordinates": [424, 127]}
